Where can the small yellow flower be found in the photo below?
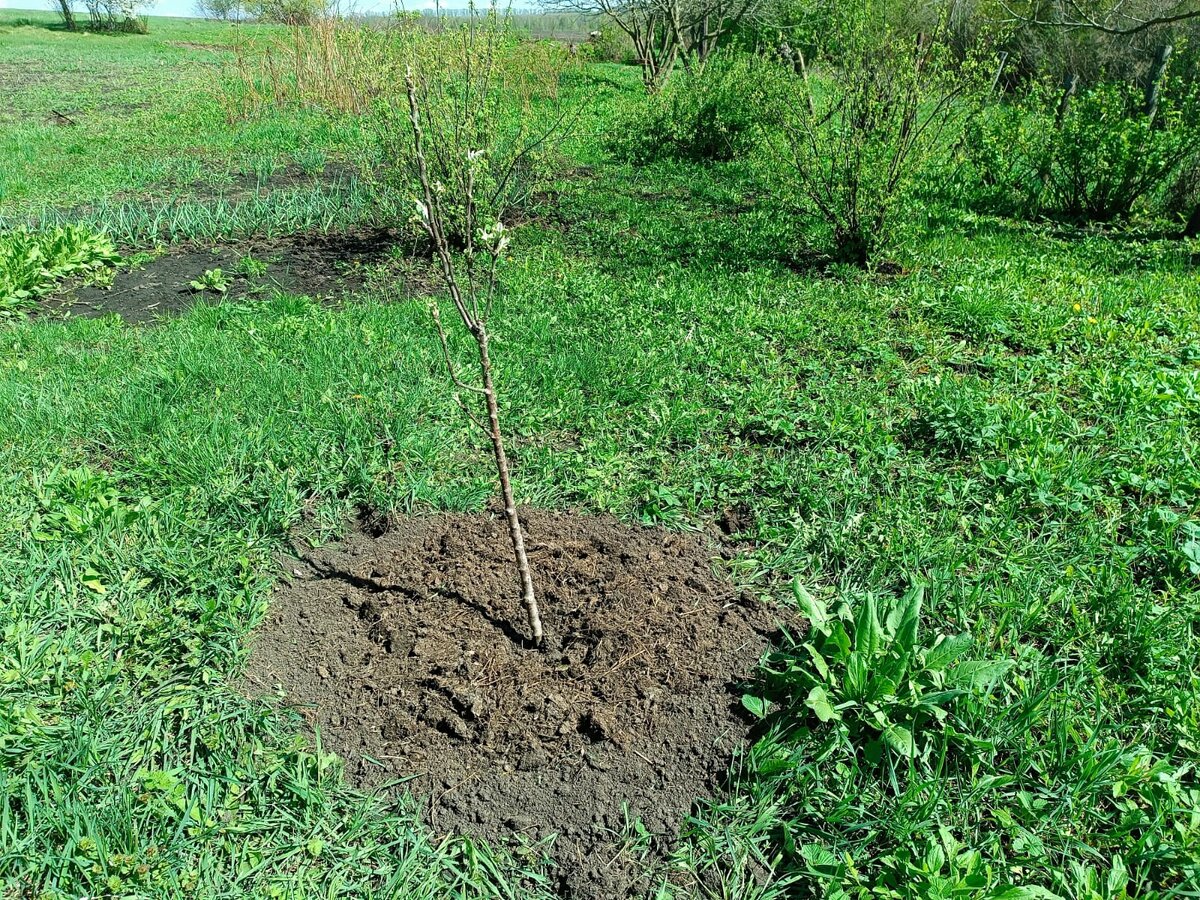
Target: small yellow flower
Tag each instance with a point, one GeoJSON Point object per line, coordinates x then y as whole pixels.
{"type": "Point", "coordinates": [1077, 307]}
{"type": "Point", "coordinates": [1092, 320]}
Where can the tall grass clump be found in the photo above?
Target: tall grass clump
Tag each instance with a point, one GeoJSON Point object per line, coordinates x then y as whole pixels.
{"type": "Point", "coordinates": [345, 66]}
{"type": "Point", "coordinates": [333, 64]}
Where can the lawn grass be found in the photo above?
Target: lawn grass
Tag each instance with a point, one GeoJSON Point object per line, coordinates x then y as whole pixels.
{"type": "Point", "coordinates": [148, 114]}
{"type": "Point", "coordinates": [1012, 424]}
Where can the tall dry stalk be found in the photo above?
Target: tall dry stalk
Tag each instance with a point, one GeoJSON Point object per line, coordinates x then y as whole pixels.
{"type": "Point", "coordinates": [336, 65]}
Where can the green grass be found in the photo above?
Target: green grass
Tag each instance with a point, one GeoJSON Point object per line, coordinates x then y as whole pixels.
{"type": "Point", "coordinates": [1013, 425]}
{"type": "Point", "coordinates": [148, 112]}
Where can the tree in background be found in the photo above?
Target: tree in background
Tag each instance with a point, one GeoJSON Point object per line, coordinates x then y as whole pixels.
{"type": "Point", "coordinates": [666, 31]}
{"type": "Point", "coordinates": [1116, 17]}
{"type": "Point", "coordinates": [222, 10]}
{"type": "Point", "coordinates": [285, 12]}
{"type": "Point", "coordinates": [67, 14]}
{"type": "Point", "coordinates": [107, 15]}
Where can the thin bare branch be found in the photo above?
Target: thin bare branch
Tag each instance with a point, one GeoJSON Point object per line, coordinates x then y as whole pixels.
{"type": "Point", "coordinates": [1115, 21]}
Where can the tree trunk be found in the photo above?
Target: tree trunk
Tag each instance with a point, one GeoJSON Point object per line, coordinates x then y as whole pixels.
{"type": "Point", "coordinates": [68, 15]}
{"type": "Point", "coordinates": [1153, 79]}
{"type": "Point", "coordinates": [528, 598]}
{"type": "Point", "coordinates": [1192, 228]}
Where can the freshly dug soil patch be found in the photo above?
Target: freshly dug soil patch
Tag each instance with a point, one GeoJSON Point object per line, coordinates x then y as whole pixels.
{"type": "Point", "coordinates": [404, 645]}
{"type": "Point", "coordinates": [317, 265]}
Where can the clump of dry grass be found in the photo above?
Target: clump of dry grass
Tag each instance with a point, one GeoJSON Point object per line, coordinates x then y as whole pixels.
{"type": "Point", "coordinates": [334, 64]}
{"type": "Point", "coordinates": [344, 65]}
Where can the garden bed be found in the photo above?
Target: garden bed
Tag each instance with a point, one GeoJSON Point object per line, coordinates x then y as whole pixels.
{"type": "Point", "coordinates": [315, 265]}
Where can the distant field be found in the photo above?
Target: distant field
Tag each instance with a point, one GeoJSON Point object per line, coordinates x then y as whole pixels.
{"type": "Point", "coordinates": [146, 114]}
{"type": "Point", "coordinates": [140, 112]}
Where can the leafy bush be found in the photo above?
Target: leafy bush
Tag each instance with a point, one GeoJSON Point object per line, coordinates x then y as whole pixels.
{"type": "Point", "coordinates": [712, 114]}
{"type": "Point", "coordinates": [31, 262]}
{"type": "Point", "coordinates": [1182, 199]}
{"type": "Point", "coordinates": [609, 44]}
{"type": "Point", "coordinates": [858, 139]}
{"type": "Point", "coordinates": [1104, 160]}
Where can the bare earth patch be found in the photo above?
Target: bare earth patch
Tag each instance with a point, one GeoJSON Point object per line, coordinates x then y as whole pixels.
{"type": "Point", "coordinates": [315, 265]}
{"type": "Point", "coordinates": [402, 645]}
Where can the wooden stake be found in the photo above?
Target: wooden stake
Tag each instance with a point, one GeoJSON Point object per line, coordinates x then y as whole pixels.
{"type": "Point", "coordinates": [999, 71]}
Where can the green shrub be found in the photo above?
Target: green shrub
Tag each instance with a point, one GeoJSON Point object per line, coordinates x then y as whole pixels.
{"type": "Point", "coordinates": [859, 138]}
{"type": "Point", "coordinates": [608, 44]}
{"type": "Point", "coordinates": [712, 114]}
{"type": "Point", "coordinates": [1182, 199]}
{"type": "Point", "coordinates": [32, 262]}
{"type": "Point", "coordinates": [1103, 162]}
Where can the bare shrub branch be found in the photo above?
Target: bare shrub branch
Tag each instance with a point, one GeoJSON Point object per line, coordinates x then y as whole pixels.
{"type": "Point", "coordinates": [1115, 18]}
{"type": "Point", "coordinates": [666, 31]}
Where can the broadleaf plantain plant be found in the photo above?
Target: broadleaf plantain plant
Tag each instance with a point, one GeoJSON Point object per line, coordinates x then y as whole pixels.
{"type": "Point", "coordinates": [865, 672]}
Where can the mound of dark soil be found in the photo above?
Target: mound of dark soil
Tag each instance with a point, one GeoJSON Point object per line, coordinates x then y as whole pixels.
{"type": "Point", "coordinates": [317, 265]}
{"type": "Point", "coordinates": [404, 645]}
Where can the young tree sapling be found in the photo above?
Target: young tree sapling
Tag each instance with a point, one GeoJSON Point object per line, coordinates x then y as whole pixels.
{"type": "Point", "coordinates": [468, 157]}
